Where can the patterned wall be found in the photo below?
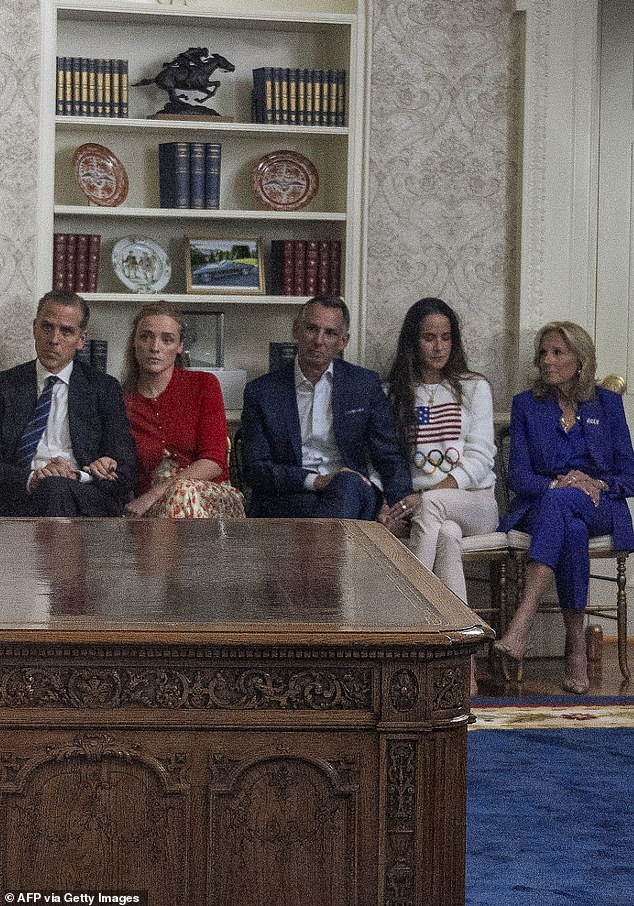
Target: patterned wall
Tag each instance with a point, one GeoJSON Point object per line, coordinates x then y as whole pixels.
{"type": "Point", "coordinates": [443, 175]}
{"type": "Point", "coordinates": [445, 120]}
{"type": "Point", "coordinates": [19, 63]}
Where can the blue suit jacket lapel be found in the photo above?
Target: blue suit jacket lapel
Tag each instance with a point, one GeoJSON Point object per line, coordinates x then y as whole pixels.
{"type": "Point", "coordinates": [23, 400]}
{"type": "Point", "coordinates": [288, 406]}
{"type": "Point", "coordinates": [594, 427]}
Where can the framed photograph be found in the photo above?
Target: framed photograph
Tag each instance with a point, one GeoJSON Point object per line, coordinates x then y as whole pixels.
{"type": "Point", "coordinates": [225, 266]}
{"type": "Point", "coordinates": [204, 339]}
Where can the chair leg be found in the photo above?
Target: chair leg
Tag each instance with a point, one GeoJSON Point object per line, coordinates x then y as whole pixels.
{"type": "Point", "coordinates": [621, 612]}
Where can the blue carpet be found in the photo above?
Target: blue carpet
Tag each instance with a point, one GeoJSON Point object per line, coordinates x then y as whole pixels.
{"type": "Point", "coordinates": [483, 701]}
{"type": "Point", "coordinates": [550, 818]}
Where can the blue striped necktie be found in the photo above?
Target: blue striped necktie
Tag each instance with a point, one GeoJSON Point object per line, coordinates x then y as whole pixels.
{"type": "Point", "coordinates": [37, 423]}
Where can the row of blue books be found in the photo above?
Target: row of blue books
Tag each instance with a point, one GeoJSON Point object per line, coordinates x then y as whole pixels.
{"type": "Point", "coordinates": [91, 87]}
{"type": "Point", "coordinates": [300, 97]}
{"type": "Point", "coordinates": [95, 353]}
{"type": "Point", "coordinates": [189, 175]}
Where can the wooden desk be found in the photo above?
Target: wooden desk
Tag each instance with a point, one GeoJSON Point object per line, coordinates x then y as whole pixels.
{"type": "Point", "coordinates": [250, 713]}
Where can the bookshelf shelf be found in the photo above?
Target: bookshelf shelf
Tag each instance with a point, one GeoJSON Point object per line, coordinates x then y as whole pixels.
{"type": "Point", "coordinates": [284, 34]}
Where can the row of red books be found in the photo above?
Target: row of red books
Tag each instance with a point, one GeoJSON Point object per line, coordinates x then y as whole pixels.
{"type": "Point", "coordinates": [76, 261]}
{"type": "Point", "coordinates": [305, 267]}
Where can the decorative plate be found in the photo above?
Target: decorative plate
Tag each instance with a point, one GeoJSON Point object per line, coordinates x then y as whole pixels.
{"type": "Point", "coordinates": [141, 264]}
{"type": "Point", "coordinates": [284, 180]}
{"type": "Point", "coordinates": [100, 174]}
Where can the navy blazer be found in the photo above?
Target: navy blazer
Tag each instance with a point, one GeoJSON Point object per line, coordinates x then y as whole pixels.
{"type": "Point", "coordinates": [362, 423]}
{"type": "Point", "coordinates": [96, 418]}
{"type": "Point", "coordinates": [533, 464]}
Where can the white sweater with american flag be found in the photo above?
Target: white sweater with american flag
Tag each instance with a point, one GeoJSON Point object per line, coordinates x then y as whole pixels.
{"type": "Point", "coordinates": [453, 439]}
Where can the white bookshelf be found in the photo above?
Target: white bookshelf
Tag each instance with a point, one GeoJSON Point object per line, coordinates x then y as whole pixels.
{"type": "Point", "coordinates": [299, 34]}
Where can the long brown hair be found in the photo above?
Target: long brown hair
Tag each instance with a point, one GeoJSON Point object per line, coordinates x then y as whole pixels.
{"type": "Point", "coordinates": [406, 371]}
{"type": "Point", "coordinates": [130, 364]}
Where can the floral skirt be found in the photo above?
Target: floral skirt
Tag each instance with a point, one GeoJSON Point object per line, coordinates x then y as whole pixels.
{"type": "Point", "coordinates": [196, 499]}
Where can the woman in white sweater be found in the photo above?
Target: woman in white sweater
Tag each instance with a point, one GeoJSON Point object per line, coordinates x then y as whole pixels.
{"type": "Point", "coordinates": [444, 419]}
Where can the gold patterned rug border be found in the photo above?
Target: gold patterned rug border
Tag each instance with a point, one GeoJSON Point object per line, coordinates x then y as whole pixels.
{"type": "Point", "coordinates": [549, 717]}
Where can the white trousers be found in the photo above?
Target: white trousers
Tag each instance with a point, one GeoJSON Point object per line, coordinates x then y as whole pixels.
{"type": "Point", "coordinates": [442, 519]}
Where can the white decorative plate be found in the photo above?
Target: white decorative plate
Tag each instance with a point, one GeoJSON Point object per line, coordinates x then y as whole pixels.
{"type": "Point", "coordinates": [141, 264]}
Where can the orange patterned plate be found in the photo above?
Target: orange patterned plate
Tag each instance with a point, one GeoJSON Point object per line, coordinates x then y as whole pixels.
{"type": "Point", "coordinates": [284, 181]}
{"type": "Point", "coordinates": [100, 174]}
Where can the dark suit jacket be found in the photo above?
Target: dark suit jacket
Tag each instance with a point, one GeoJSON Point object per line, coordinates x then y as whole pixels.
{"type": "Point", "coordinates": [362, 422]}
{"type": "Point", "coordinates": [97, 421]}
{"type": "Point", "coordinates": [533, 461]}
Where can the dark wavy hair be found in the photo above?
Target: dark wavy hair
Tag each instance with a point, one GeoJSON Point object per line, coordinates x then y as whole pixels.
{"type": "Point", "coordinates": [130, 364]}
{"type": "Point", "coordinates": [406, 371]}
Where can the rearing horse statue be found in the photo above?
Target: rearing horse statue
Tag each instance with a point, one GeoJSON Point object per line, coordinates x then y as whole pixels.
{"type": "Point", "coordinates": [189, 71]}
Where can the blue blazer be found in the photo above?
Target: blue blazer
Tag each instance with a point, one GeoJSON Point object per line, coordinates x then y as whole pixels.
{"type": "Point", "coordinates": [362, 423]}
{"type": "Point", "coordinates": [96, 418]}
{"type": "Point", "coordinates": [533, 462]}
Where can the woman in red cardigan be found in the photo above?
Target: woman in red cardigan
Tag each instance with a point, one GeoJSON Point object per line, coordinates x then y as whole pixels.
{"type": "Point", "coordinates": [178, 422]}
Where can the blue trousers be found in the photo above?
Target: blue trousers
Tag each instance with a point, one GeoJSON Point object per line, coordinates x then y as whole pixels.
{"type": "Point", "coordinates": [560, 524]}
{"type": "Point", "coordinates": [347, 496]}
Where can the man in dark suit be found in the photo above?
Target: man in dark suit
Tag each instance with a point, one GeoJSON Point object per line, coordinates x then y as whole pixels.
{"type": "Point", "coordinates": [312, 429]}
{"type": "Point", "coordinates": [65, 445]}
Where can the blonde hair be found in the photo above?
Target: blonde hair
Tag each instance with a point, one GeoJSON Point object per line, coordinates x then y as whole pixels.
{"type": "Point", "coordinates": [149, 309]}
{"type": "Point", "coordinates": [580, 343]}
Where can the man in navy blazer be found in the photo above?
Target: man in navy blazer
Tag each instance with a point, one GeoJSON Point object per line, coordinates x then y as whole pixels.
{"type": "Point", "coordinates": [312, 429]}
{"type": "Point", "coordinates": [81, 461]}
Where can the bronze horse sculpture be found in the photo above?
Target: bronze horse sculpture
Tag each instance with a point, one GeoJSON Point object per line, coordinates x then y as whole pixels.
{"type": "Point", "coordinates": [189, 71]}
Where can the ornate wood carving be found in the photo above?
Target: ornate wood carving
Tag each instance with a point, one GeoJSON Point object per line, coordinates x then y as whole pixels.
{"type": "Point", "coordinates": [400, 886]}
{"type": "Point", "coordinates": [96, 814]}
{"type": "Point", "coordinates": [247, 688]}
{"type": "Point", "coordinates": [404, 690]}
{"type": "Point", "coordinates": [449, 689]}
{"type": "Point", "coordinates": [286, 824]}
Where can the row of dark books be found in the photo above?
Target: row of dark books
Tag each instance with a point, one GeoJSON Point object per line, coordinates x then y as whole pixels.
{"type": "Point", "coordinates": [305, 267]}
{"type": "Point", "coordinates": [91, 87]}
{"type": "Point", "coordinates": [302, 97]}
{"type": "Point", "coordinates": [95, 353]}
{"type": "Point", "coordinates": [189, 175]}
{"type": "Point", "coordinates": [76, 261]}
{"type": "Point", "coordinates": [281, 354]}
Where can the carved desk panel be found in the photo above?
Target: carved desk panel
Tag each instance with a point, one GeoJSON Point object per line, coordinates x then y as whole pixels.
{"type": "Point", "coordinates": [229, 713]}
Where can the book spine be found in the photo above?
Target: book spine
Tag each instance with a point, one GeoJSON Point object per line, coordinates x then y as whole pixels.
{"type": "Point", "coordinates": [288, 267]}
{"type": "Point", "coordinates": [59, 260]}
{"type": "Point", "coordinates": [107, 88]}
{"type": "Point", "coordinates": [99, 86]}
{"type": "Point", "coordinates": [115, 78]}
{"type": "Point", "coordinates": [81, 263]}
{"type": "Point", "coordinates": [76, 96]}
{"type": "Point", "coordinates": [99, 354]}
{"type": "Point", "coordinates": [94, 249]}
{"type": "Point", "coordinates": [317, 88]}
{"type": "Point", "coordinates": [68, 87]}
{"type": "Point", "coordinates": [59, 85]}
{"type": "Point", "coordinates": [301, 97]}
{"type": "Point", "coordinates": [174, 174]}
{"type": "Point", "coordinates": [274, 277]}
{"type": "Point", "coordinates": [341, 97]}
{"type": "Point", "coordinates": [312, 261]}
{"type": "Point", "coordinates": [323, 267]}
{"type": "Point", "coordinates": [284, 96]}
{"type": "Point", "coordinates": [213, 153]}
{"type": "Point", "coordinates": [332, 104]}
{"type": "Point", "coordinates": [299, 282]}
{"type": "Point", "coordinates": [325, 97]}
{"type": "Point", "coordinates": [83, 87]}
{"type": "Point", "coordinates": [92, 84]}
{"type": "Point", "coordinates": [335, 267]}
{"type": "Point", "coordinates": [292, 97]}
{"type": "Point", "coordinates": [196, 175]}
{"type": "Point", "coordinates": [267, 76]}
{"type": "Point", "coordinates": [123, 88]}
{"type": "Point", "coordinates": [309, 89]}
{"type": "Point", "coordinates": [71, 255]}
{"type": "Point", "coordinates": [281, 354]}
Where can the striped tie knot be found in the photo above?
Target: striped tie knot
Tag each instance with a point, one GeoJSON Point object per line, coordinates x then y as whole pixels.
{"type": "Point", "coordinates": [37, 423]}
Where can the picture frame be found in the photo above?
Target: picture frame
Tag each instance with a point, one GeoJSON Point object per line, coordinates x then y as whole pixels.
{"type": "Point", "coordinates": [225, 266]}
{"type": "Point", "coordinates": [204, 339]}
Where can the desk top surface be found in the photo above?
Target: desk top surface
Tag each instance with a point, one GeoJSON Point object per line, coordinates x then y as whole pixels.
{"type": "Point", "coordinates": [221, 582]}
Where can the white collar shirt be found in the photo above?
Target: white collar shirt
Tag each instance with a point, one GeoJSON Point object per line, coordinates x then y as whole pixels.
{"type": "Point", "coordinates": [55, 440]}
{"type": "Point", "coordinates": [320, 454]}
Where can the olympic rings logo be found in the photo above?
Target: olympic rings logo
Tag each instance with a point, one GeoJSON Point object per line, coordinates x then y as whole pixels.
{"type": "Point", "coordinates": [436, 459]}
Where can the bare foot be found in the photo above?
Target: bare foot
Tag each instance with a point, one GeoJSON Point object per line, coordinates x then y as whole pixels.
{"type": "Point", "coordinates": [512, 646]}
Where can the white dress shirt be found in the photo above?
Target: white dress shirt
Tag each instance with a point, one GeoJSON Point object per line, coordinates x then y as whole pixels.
{"type": "Point", "coordinates": [320, 454]}
{"type": "Point", "coordinates": [55, 440]}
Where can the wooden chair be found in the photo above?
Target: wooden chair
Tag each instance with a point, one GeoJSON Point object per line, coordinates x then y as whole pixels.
{"type": "Point", "coordinates": [600, 548]}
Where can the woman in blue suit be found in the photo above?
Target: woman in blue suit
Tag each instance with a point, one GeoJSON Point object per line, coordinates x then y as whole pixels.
{"type": "Point", "coordinates": [571, 467]}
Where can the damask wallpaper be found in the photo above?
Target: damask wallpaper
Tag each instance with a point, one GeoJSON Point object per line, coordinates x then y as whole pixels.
{"type": "Point", "coordinates": [443, 179]}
